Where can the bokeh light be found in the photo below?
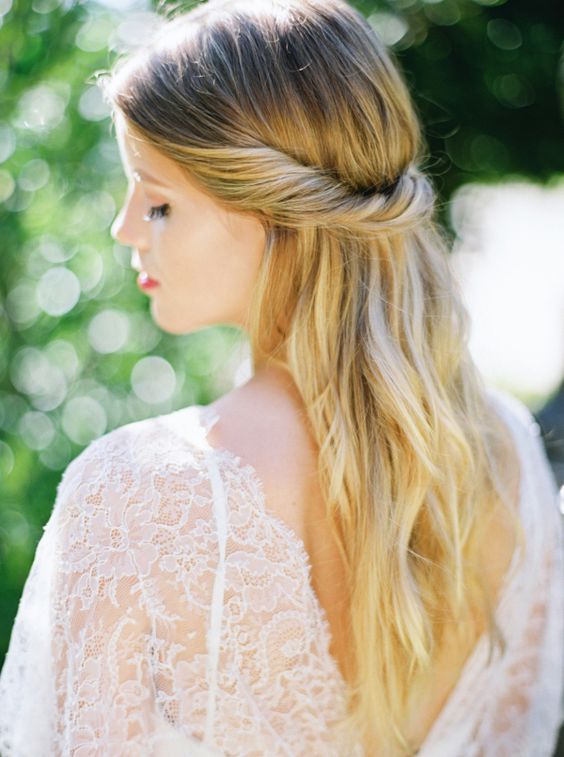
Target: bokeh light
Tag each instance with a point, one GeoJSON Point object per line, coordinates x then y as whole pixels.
{"type": "Point", "coordinates": [153, 380]}
{"type": "Point", "coordinates": [36, 429]}
{"type": "Point", "coordinates": [42, 107]}
{"type": "Point", "coordinates": [84, 419]}
{"type": "Point", "coordinates": [109, 331]}
{"type": "Point", "coordinates": [58, 291]}
{"type": "Point", "coordinates": [21, 304]}
{"type": "Point", "coordinates": [81, 353]}
{"type": "Point", "coordinates": [37, 377]}
{"type": "Point", "coordinates": [7, 142]}
{"type": "Point", "coordinates": [7, 459]}
{"type": "Point", "coordinates": [7, 185]}
{"type": "Point", "coordinates": [95, 32]}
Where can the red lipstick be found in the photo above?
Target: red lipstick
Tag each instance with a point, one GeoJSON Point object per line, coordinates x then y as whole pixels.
{"type": "Point", "coordinates": [146, 282]}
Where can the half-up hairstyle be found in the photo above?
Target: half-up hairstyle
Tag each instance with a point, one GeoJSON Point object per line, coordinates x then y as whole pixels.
{"type": "Point", "coordinates": [294, 111]}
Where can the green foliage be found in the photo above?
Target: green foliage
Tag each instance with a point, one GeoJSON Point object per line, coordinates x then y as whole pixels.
{"type": "Point", "coordinates": [79, 352]}
{"type": "Point", "coordinates": [487, 78]}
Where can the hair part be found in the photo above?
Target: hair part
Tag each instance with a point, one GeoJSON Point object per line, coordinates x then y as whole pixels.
{"type": "Point", "coordinates": [294, 111]}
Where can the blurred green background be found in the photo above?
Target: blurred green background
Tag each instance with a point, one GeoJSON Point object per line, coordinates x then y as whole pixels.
{"type": "Point", "coordinates": [79, 353]}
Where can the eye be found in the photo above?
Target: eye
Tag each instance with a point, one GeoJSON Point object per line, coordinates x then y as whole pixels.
{"type": "Point", "coordinates": [157, 212]}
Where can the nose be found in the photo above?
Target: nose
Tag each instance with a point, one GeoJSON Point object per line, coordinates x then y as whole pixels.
{"type": "Point", "coordinates": [128, 227]}
{"type": "Point", "coordinates": [122, 230]}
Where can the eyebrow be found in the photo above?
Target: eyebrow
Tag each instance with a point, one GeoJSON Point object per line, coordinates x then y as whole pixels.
{"type": "Point", "coordinates": [149, 179]}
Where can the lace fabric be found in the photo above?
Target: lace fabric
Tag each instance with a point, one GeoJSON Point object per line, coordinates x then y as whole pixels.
{"type": "Point", "coordinates": [167, 612]}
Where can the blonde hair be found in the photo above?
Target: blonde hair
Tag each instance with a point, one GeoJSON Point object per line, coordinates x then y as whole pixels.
{"type": "Point", "coordinates": [294, 111]}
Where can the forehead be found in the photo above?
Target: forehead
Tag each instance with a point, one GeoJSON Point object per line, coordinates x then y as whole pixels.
{"type": "Point", "coordinates": [149, 167]}
{"type": "Point", "coordinates": [131, 146]}
{"type": "Point", "coordinates": [139, 156]}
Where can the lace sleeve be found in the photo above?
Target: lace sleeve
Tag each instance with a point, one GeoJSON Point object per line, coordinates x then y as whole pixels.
{"type": "Point", "coordinates": [167, 613]}
{"type": "Point", "coordinates": [101, 607]}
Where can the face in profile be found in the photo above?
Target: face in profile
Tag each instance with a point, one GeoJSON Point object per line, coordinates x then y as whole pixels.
{"type": "Point", "coordinates": [205, 258]}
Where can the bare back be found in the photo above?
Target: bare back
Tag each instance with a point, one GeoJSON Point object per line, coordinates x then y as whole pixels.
{"type": "Point", "coordinates": [263, 422]}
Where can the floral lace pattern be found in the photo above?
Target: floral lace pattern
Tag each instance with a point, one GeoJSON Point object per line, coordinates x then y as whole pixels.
{"type": "Point", "coordinates": [167, 612]}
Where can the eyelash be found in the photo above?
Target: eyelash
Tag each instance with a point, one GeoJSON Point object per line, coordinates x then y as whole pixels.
{"type": "Point", "coordinates": [157, 212]}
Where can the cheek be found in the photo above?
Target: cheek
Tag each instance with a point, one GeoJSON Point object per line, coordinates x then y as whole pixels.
{"type": "Point", "coordinates": [246, 245]}
{"type": "Point", "coordinates": [224, 249]}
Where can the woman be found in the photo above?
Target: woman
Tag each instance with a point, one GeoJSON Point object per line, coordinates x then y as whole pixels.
{"type": "Point", "coordinates": [358, 550]}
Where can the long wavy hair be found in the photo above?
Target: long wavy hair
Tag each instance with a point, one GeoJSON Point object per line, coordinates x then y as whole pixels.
{"type": "Point", "coordinates": [294, 111]}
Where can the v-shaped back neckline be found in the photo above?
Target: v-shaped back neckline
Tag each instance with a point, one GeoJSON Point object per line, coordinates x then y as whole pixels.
{"type": "Point", "coordinates": [206, 419]}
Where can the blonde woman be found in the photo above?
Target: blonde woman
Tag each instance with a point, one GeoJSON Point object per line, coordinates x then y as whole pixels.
{"type": "Point", "coordinates": [358, 551]}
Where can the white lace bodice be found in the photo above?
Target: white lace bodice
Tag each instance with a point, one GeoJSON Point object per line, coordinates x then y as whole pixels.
{"type": "Point", "coordinates": [167, 613]}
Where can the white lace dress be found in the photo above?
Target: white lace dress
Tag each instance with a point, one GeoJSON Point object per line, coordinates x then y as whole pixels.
{"type": "Point", "coordinates": [168, 613]}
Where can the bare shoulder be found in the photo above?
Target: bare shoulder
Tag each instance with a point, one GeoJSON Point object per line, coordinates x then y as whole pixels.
{"type": "Point", "coordinates": [264, 423]}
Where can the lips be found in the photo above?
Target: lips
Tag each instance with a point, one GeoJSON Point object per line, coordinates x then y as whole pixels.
{"type": "Point", "coordinates": [145, 278]}
{"type": "Point", "coordinates": [145, 282]}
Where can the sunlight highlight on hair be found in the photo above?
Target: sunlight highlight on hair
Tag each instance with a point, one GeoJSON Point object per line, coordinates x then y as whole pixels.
{"type": "Point", "coordinates": [296, 113]}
